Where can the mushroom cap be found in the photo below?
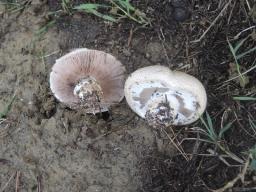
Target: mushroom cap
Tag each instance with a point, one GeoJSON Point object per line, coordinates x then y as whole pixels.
{"type": "Point", "coordinates": [84, 63]}
{"type": "Point", "coordinates": [147, 87]}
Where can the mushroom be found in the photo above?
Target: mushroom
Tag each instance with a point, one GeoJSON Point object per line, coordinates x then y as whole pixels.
{"type": "Point", "coordinates": [165, 97]}
{"type": "Point", "coordinates": [88, 79]}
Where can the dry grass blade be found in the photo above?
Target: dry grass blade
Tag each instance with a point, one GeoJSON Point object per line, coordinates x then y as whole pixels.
{"type": "Point", "coordinates": [240, 176]}
{"type": "Point", "coordinates": [213, 23]}
{"type": "Point", "coordinates": [175, 145]}
{"type": "Point", "coordinates": [17, 181]}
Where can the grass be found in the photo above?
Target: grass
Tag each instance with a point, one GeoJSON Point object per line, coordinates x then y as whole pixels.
{"type": "Point", "coordinates": [244, 98]}
{"type": "Point", "coordinates": [66, 6]}
{"type": "Point", "coordinates": [237, 56]}
{"type": "Point", "coordinates": [211, 133]}
{"type": "Point", "coordinates": [129, 11]}
{"type": "Point", "coordinates": [93, 8]}
{"type": "Point", "coordinates": [44, 29]}
{"type": "Point", "coordinates": [216, 138]}
{"type": "Point", "coordinates": [114, 11]}
{"type": "Point", "coordinates": [12, 6]}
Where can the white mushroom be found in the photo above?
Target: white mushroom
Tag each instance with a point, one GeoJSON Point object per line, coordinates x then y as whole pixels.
{"type": "Point", "coordinates": [88, 79]}
{"type": "Point", "coordinates": [165, 97]}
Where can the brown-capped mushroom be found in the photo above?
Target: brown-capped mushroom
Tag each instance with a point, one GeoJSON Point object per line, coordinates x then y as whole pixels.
{"type": "Point", "coordinates": [88, 79]}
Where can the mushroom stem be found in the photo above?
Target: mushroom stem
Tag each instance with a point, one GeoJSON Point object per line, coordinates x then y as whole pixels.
{"type": "Point", "coordinates": [89, 93]}
{"type": "Point", "coordinates": [160, 113]}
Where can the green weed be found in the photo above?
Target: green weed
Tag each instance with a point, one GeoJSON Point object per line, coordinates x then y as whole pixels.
{"type": "Point", "coordinates": [66, 6]}
{"type": "Point", "coordinates": [211, 133]}
{"type": "Point", "coordinates": [237, 56]}
{"type": "Point", "coordinates": [216, 138]}
{"type": "Point", "coordinates": [117, 10]}
{"type": "Point", "coordinates": [44, 29]}
{"type": "Point", "coordinates": [94, 9]}
{"type": "Point", "coordinates": [12, 6]}
{"type": "Point", "coordinates": [129, 11]}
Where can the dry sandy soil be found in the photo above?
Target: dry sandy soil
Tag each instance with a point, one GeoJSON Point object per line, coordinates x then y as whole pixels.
{"type": "Point", "coordinates": [45, 146]}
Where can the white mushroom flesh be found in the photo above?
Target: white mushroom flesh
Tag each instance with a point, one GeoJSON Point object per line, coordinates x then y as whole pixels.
{"type": "Point", "coordinates": [147, 95]}
{"type": "Point", "coordinates": [164, 97]}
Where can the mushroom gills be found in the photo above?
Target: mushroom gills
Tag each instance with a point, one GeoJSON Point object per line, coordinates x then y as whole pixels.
{"type": "Point", "coordinates": [162, 104]}
{"type": "Point", "coordinates": [90, 94]}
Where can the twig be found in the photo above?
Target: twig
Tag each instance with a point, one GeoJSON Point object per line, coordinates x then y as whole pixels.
{"type": "Point", "coordinates": [180, 150]}
{"type": "Point", "coordinates": [221, 157]}
{"type": "Point", "coordinates": [240, 176]}
{"type": "Point", "coordinates": [213, 23]}
{"type": "Point", "coordinates": [130, 37]}
{"type": "Point", "coordinates": [39, 184]}
{"type": "Point", "coordinates": [162, 39]}
{"type": "Point", "coordinates": [254, 67]}
{"type": "Point", "coordinates": [248, 4]}
{"type": "Point", "coordinates": [251, 27]}
{"type": "Point", "coordinates": [231, 12]}
{"type": "Point", "coordinates": [17, 181]}
{"type": "Point", "coordinates": [48, 55]}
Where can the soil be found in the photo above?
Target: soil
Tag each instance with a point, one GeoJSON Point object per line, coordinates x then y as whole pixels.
{"type": "Point", "coordinates": [45, 146]}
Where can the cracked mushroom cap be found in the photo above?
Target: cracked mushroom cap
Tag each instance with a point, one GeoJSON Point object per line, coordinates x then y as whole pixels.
{"type": "Point", "coordinates": [88, 79]}
{"type": "Point", "coordinates": [165, 97]}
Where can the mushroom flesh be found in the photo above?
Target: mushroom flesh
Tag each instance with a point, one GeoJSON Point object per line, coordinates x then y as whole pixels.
{"type": "Point", "coordinates": [165, 97]}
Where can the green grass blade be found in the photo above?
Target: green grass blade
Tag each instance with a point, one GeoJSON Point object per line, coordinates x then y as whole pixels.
{"type": "Point", "coordinates": [239, 44]}
{"type": "Point", "coordinates": [245, 53]}
{"type": "Point", "coordinates": [210, 125]}
{"type": "Point", "coordinates": [106, 17]}
{"type": "Point", "coordinates": [244, 98]}
{"type": "Point", "coordinates": [224, 129]}
{"type": "Point", "coordinates": [126, 5]}
{"type": "Point", "coordinates": [209, 121]}
{"type": "Point", "coordinates": [210, 131]}
{"type": "Point", "coordinates": [45, 28]}
{"type": "Point", "coordinates": [90, 6]}
{"type": "Point", "coordinates": [236, 61]}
